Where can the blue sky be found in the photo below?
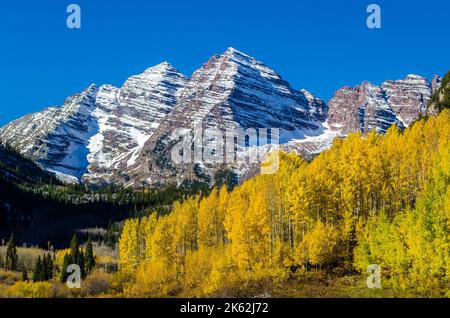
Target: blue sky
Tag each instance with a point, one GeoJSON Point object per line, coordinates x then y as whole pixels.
{"type": "Point", "coordinates": [318, 45]}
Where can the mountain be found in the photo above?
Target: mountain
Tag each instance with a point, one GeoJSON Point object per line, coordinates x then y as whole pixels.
{"type": "Point", "coordinates": [105, 134]}
{"type": "Point", "coordinates": [37, 208]}
{"type": "Point", "coordinates": [99, 129]}
{"type": "Point", "coordinates": [127, 117]}
{"type": "Point", "coordinates": [14, 168]}
{"type": "Point", "coordinates": [367, 106]}
{"type": "Point", "coordinates": [129, 135]}
{"type": "Point", "coordinates": [441, 96]}
{"type": "Point", "coordinates": [230, 91]}
{"type": "Point", "coordinates": [56, 138]}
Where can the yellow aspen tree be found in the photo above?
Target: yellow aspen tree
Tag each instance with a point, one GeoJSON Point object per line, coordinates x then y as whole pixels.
{"type": "Point", "coordinates": [129, 245]}
{"type": "Point", "coordinates": [148, 233]}
{"type": "Point", "coordinates": [210, 223]}
{"type": "Point", "coordinates": [161, 247]}
{"type": "Point", "coordinates": [185, 219]}
{"type": "Point", "coordinates": [321, 244]}
{"type": "Point", "coordinates": [222, 208]}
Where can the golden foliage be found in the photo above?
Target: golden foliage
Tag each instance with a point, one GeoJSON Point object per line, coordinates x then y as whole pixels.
{"type": "Point", "coordinates": [30, 290]}
{"type": "Point", "coordinates": [388, 196]}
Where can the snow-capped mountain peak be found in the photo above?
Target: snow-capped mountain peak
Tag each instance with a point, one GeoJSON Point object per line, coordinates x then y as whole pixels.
{"type": "Point", "coordinates": [107, 134]}
{"type": "Point", "coordinates": [367, 106]}
{"type": "Point", "coordinates": [97, 131]}
{"type": "Point", "coordinates": [231, 90]}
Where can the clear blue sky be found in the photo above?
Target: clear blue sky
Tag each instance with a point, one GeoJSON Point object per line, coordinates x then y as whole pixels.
{"type": "Point", "coordinates": [318, 45]}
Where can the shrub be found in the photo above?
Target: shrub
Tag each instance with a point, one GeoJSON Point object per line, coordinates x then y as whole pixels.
{"type": "Point", "coordinates": [30, 290]}
{"type": "Point", "coordinates": [96, 284]}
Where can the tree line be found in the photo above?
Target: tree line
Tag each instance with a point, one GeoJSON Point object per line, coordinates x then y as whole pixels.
{"type": "Point", "coordinates": [368, 200]}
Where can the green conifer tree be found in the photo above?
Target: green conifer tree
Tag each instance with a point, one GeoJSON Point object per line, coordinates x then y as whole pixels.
{"type": "Point", "coordinates": [37, 272]}
{"type": "Point", "coordinates": [11, 255]}
{"type": "Point", "coordinates": [24, 275]}
{"type": "Point", "coordinates": [90, 260]}
{"type": "Point", "coordinates": [81, 263]}
{"type": "Point", "coordinates": [75, 250]}
{"type": "Point", "coordinates": [66, 262]}
{"type": "Point", "coordinates": [48, 268]}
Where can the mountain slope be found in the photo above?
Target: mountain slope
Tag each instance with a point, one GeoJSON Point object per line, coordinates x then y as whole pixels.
{"type": "Point", "coordinates": [128, 135]}
{"type": "Point", "coordinates": [96, 131]}
{"type": "Point", "coordinates": [56, 138]}
{"type": "Point", "coordinates": [230, 91]}
{"type": "Point", "coordinates": [441, 96]}
{"type": "Point", "coordinates": [136, 111]}
{"type": "Point", "coordinates": [18, 169]}
{"type": "Point", "coordinates": [367, 107]}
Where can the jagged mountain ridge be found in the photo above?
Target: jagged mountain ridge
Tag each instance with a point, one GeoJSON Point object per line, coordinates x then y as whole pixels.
{"type": "Point", "coordinates": [139, 107]}
{"type": "Point", "coordinates": [441, 94]}
{"type": "Point", "coordinates": [231, 90]}
{"type": "Point", "coordinates": [97, 130]}
{"type": "Point", "coordinates": [123, 135]}
{"type": "Point", "coordinates": [97, 135]}
{"type": "Point", "coordinates": [367, 106]}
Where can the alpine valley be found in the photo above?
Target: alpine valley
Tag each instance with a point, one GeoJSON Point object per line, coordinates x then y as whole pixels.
{"type": "Point", "coordinates": [362, 182]}
{"type": "Point", "coordinates": [107, 135]}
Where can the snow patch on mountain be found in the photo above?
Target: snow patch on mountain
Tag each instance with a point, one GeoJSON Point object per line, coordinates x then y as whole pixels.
{"type": "Point", "coordinates": [124, 135]}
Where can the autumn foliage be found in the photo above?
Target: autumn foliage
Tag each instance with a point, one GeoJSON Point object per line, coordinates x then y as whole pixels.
{"type": "Point", "coordinates": [368, 200]}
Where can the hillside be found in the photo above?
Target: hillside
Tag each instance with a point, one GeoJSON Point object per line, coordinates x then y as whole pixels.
{"type": "Point", "coordinates": [367, 200]}
{"type": "Point", "coordinates": [38, 208]}
{"type": "Point", "coordinates": [441, 98]}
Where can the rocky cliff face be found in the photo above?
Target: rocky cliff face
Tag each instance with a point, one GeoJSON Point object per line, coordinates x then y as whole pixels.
{"type": "Point", "coordinates": [127, 117]}
{"type": "Point", "coordinates": [436, 83]}
{"type": "Point", "coordinates": [99, 131]}
{"type": "Point", "coordinates": [409, 97]}
{"type": "Point", "coordinates": [230, 91]}
{"type": "Point", "coordinates": [57, 137]}
{"type": "Point", "coordinates": [367, 107]}
{"type": "Point", "coordinates": [127, 135]}
{"type": "Point", "coordinates": [441, 94]}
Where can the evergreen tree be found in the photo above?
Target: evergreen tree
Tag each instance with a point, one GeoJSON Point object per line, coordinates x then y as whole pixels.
{"type": "Point", "coordinates": [37, 272]}
{"type": "Point", "coordinates": [81, 263]}
{"type": "Point", "coordinates": [90, 259]}
{"type": "Point", "coordinates": [110, 237]}
{"type": "Point", "coordinates": [66, 262]}
{"type": "Point", "coordinates": [11, 255]}
{"type": "Point", "coordinates": [44, 265]}
{"type": "Point", "coordinates": [24, 275]}
{"type": "Point", "coordinates": [48, 267]}
{"type": "Point", "coordinates": [75, 250]}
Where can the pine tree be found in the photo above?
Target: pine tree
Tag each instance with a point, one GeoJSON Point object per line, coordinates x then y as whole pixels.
{"type": "Point", "coordinates": [24, 275]}
{"type": "Point", "coordinates": [66, 262]}
{"type": "Point", "coordinates": [44, 266]}
{"type": "Point", "coordinates": [81, 263]}
{"type": "Point", "coordinates": [110, 240]}
{"type": "Point", "coordinates": [37, 272]}
{"type": "Point", "coordinates": [75, 250]}
{"type": "Point", "coordinates": [90, 259]}
{"type": "Point", "coordinates": [11, 255]}
{"type": "Point", "coordinates": [48, 267]}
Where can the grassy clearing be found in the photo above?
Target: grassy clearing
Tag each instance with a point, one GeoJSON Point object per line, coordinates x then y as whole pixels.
{"type": "Point", "coordinates": [9, 277]}
{"type": "Point", "coordinates": [316, 285]}
{"type": "Point", "coordinates": [27, 256]}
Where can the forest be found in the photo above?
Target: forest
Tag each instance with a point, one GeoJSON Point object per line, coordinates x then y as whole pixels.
{"type": "Point", "coordinates": [318, 225]}
{"type": "Point", "coordinates": [370, 199]}
{"type": "Point", "coordinates": [38, 208]}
